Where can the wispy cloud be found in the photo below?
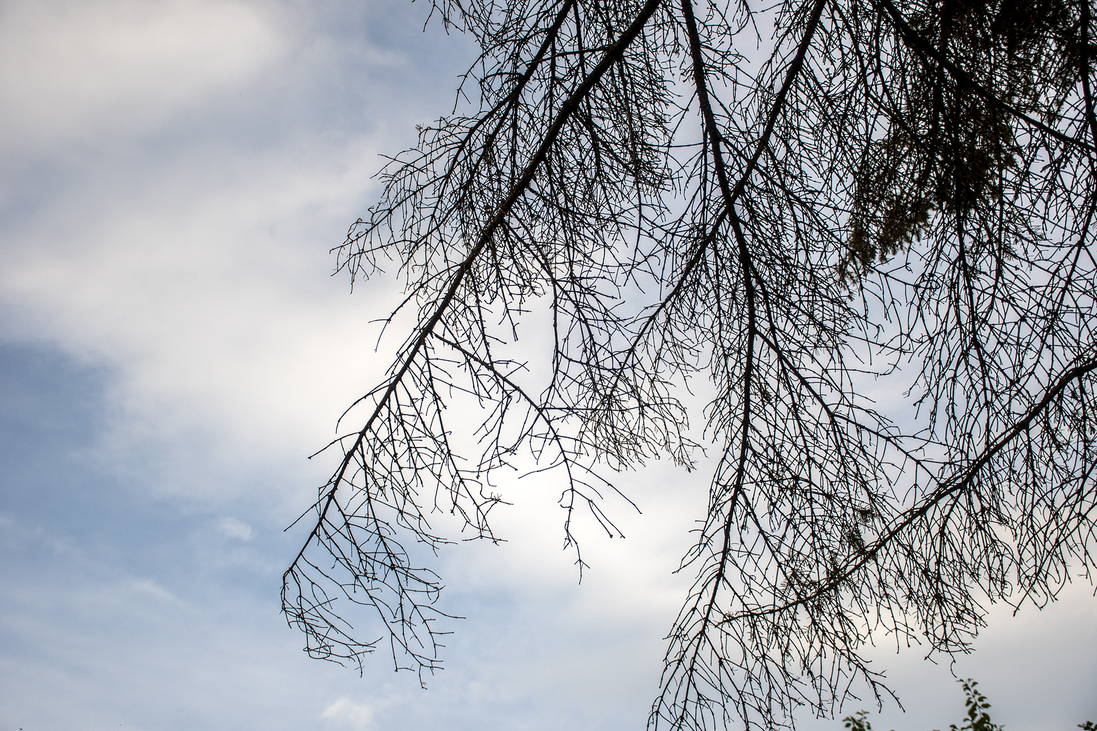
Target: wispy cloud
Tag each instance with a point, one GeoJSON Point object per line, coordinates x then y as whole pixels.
{"type": "Point", "coordinates": [346, 713]}
{"type": "Point", "coordinates": [235, 529]}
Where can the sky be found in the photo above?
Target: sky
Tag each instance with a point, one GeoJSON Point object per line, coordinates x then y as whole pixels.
{"type": "Point", "coordinates": [173, 347]}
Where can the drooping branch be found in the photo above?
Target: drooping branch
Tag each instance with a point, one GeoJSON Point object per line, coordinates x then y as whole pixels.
{"type": "Point", "coordinates": [373, 559]}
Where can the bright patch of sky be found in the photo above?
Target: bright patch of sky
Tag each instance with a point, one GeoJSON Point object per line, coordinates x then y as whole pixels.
{"type": "Point", "coordinates": [172, 347]}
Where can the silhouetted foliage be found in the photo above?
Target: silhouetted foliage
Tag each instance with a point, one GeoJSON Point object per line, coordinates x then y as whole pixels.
{"type": "Point", "coordinates": [799, 204]}
{"type": "Point", "coordinates": [978, 714]}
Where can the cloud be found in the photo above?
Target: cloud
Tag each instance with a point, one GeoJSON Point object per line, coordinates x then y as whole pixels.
{"type": "Point", "coordinates": [193, 262]}
{"type": "Point", "coordinates": [345, 713]}
{"type": "Point", "coordinates": [150, 588]}
{"type": "Point", "coordinates": [205, 294]}
{"type": "Point", "coordinates": [235, 529]}
{"type": "Point", "coordinates": [74, 70]}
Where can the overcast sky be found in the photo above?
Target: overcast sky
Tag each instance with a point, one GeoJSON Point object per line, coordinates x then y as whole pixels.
{"type": "Point", "coordinates": [173, 346]}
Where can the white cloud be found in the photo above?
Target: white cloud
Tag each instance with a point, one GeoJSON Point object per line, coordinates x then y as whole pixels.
{"type": "Point", "coordinates": [150, 588]}
{"type": "Point", "coordinates": [235, 529]}
{"type": "Point", "coordinates": [345, 713]}
{"type": "Point", "coordinates": [75, 69]}
{"type": "Point", "coordinates": [200, 288]}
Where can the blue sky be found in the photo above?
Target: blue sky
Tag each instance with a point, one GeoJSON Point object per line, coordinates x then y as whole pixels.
{"type": "Point", "coordinates": [173, 347]}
